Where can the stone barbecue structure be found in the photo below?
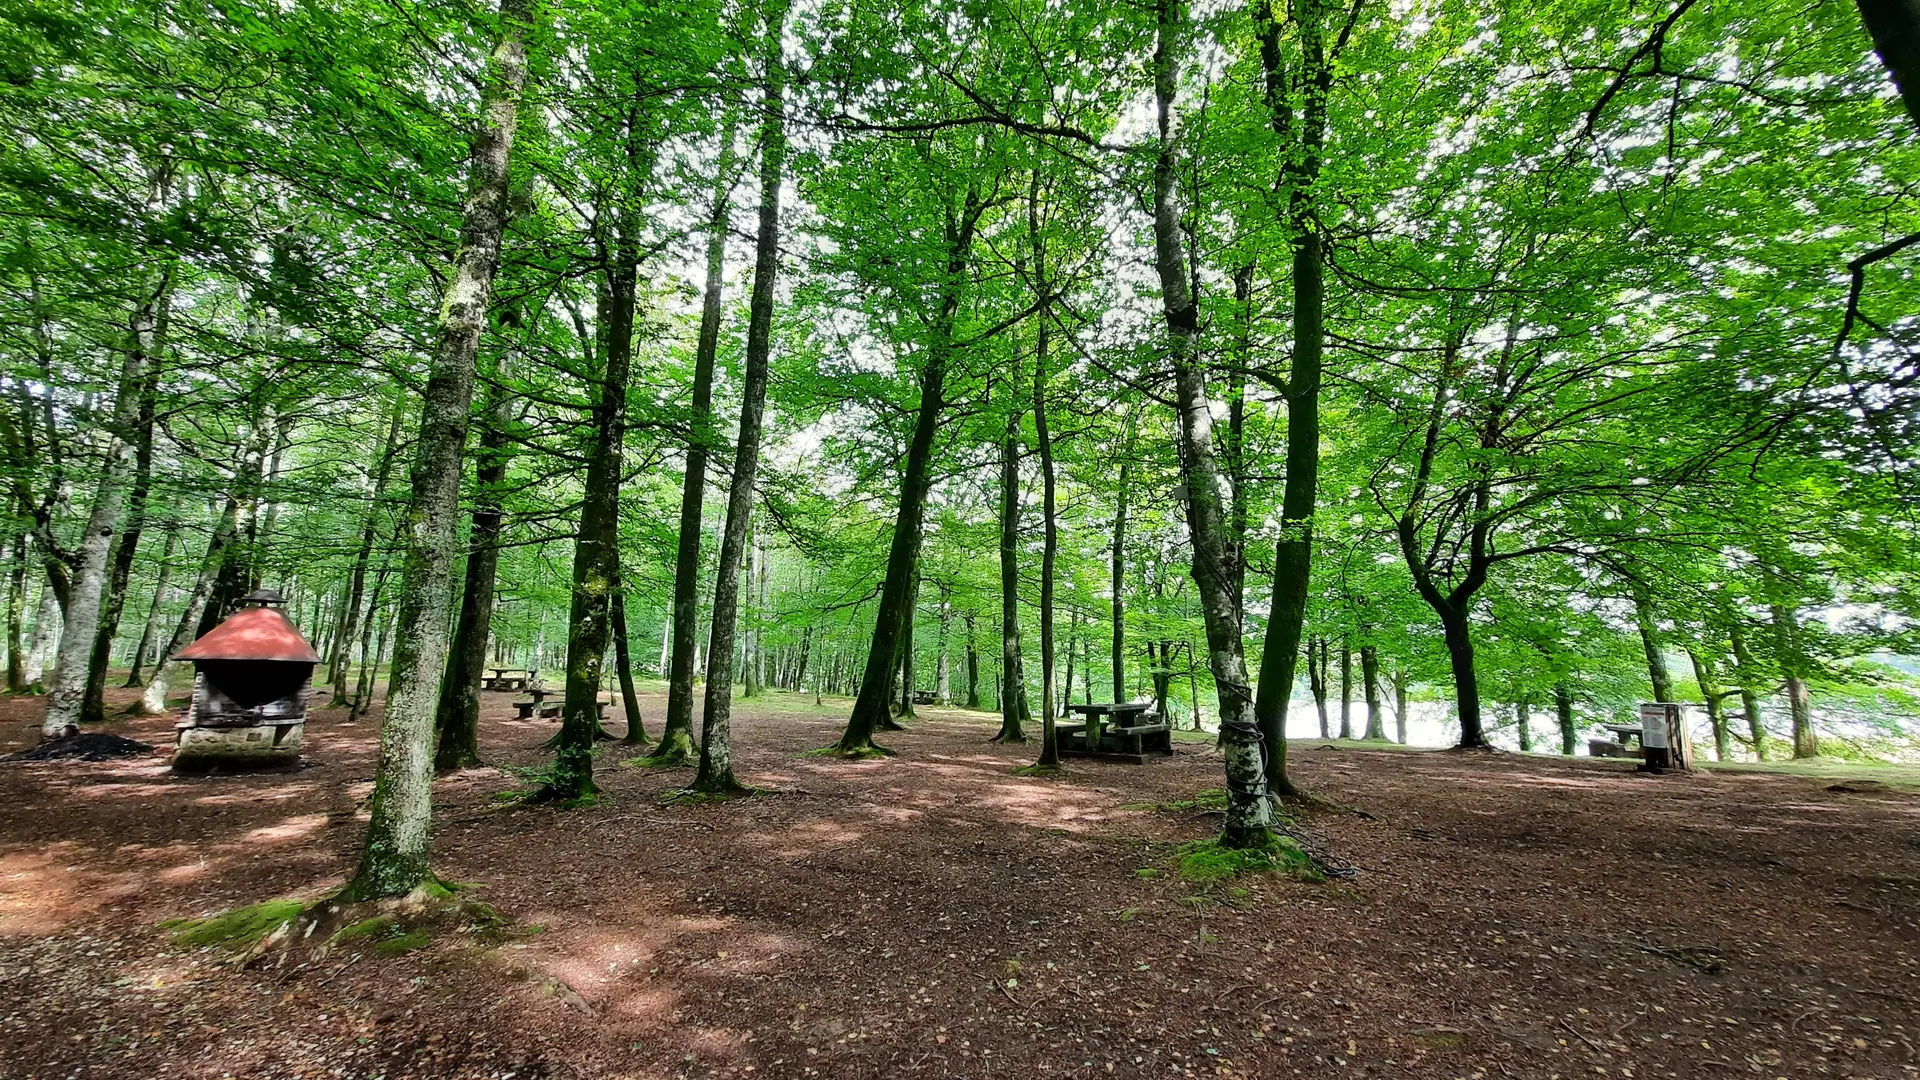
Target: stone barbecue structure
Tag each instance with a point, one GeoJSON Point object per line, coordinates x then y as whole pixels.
{"type": "Point", "coordinates": [250, 683]}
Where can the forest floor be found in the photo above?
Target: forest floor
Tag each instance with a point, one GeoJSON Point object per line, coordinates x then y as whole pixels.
{"type": "Point", "coordinates": [933, 915]}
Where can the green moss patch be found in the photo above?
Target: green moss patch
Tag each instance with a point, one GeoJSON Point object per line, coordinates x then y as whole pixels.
{"type": "Point", "coordinates": [366, 928]}
{"type": "Point", "coordinates": [402, 943]}
{"type": "Point", "coordinates": [232, 929]}
{"type": "Point", "coordinates": [1205, 862]}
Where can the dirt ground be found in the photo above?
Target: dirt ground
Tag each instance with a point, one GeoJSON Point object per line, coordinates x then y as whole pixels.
{"type": "Point", "coordinates": [936, 916]}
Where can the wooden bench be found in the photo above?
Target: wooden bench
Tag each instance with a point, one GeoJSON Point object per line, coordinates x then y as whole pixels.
{"type": "Point", "coordinates": [924, 697]}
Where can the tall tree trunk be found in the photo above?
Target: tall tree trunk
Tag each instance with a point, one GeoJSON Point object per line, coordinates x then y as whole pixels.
{"type": "Point", "coordinates": [1399, 679]}
{"type": "Point", "coordinates": [973, 665]}
{"type": "Point", "coordinates": [1563, 713]}
{"type": "Point", "coordinates": [1749, 699]}
{"type": "Point", "coordinates": [1522, 722]}
{"type": "Point", "coordinates": [596, 550]}
{"type": "Point", "coordinates": [47, 621]}
{"type": "Point", "coordinates": [1715, 701]}
{"type": "Point", "coordinates": [95, 708]}
{"type": "Point", "coordinates": [1370, 689]}
{"type": "Point", "coordinates": [1249, 817]}
{"type": "Point", "coordinates": [371, 650]}
{"type": "Point", "coordinates": [676, 738]}
{"type": "Point", "coordinates": [1466, 679]}
{"type": "Point", "coordinates": [1012, 688]}
{"type": "Point", "coordinates": [870, 710]}
{"type": "Point", "coordinates": [151, 627]}
{"type": "Point", "coordinates": [716, 738]}
{"type": "Point", "coordinates": [905, 656]}
{"type": "Point", "coordinates": [1786, 630]}
{"type": "Point", "coordinates": [1317, 680]}
{"type": "Point", "coordinates": [1049, 520]}
{"type": "Point", "coordinates": [942, 675]}
{"type": "Point", "coordinates": [1346, 688]}
{"type": "Point", "coordinates": [393, 859]}
{"type": "Point", "coordinates": [458, 717]}
{"type": "Point", "coordinates": [622, 657]}
{"type": "Point", "coordinates": [88, 594]}
{"type": "Point", "coordinates": [344, 630]}
{"type": "Point", "coordinates": [1652, 646]}
{"type": "Point", "coordinates": [752, 667]}
{"type": "Point", "coordinates": [16, 614]}
{"type": "Point", "coordinates": [1119, 579]}
{"type": "Point", "coordinates": [1302, 139]}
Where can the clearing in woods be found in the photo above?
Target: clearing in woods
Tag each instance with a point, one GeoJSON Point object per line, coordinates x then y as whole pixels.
{"type": "Point", "coordinates": [933, 915]}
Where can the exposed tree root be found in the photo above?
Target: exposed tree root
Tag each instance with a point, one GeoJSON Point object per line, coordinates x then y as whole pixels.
{"type": "Point", "coordinates": [858, 752]}
{"type": "Point", "coordinates": [302, 934]}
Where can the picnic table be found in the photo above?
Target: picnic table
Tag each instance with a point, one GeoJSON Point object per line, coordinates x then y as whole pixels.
{"type": "Point", "coordinates": [551, 710]}
{"type": "Point", "coordinates": [1625, 742]}
{"type": "Point", "coordinates": [508, 678]}
{"type": "Point", "coordinates": [1124, 731]}
{"type": "Point", "coordinates": [1625, 734]}
{"type": "Point", "coordinates": [924, 697]}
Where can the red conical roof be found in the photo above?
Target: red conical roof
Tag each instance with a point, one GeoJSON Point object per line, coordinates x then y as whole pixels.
{"type": "Point", "coordinates": [255, 633]}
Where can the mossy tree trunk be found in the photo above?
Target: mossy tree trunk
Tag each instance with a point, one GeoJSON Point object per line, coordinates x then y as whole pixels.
{"type": "Point", "coordinates": [1652, 646]}
{"type": "Point", "coordinates": [393, 858]}
{"type": "Point", "coordinates": [1249, 817]}
{"type": "Point", "coordinates": [1563, 715]}
{"type": "Point", "coordinates": [715, 775]}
